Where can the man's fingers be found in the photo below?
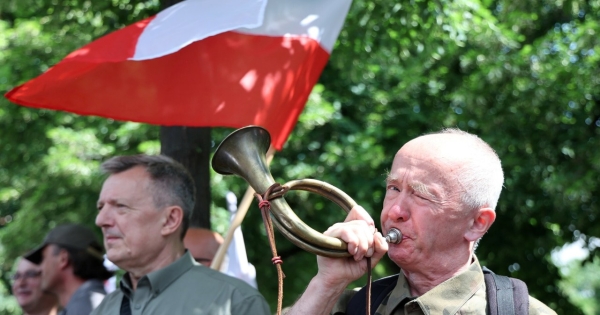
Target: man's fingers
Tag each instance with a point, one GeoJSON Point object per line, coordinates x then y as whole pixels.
{"type": "Point", "coordinates": [358, 234]}
{"type": "Point", "coordinates": [364, 246]}
{"type": "Point", "coordinates": [380, 247]}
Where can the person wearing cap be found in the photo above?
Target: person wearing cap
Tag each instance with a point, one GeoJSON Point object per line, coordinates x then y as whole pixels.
{"type": "Point", "coordinates": [144, 209]}
{"type": "Point", "coordinates": [26, 287]}
{"type": "Point", "coordinates": [71, 261]}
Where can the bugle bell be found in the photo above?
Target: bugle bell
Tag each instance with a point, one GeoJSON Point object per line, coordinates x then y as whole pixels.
{"type": "Point", "coordinates": [242, 153]}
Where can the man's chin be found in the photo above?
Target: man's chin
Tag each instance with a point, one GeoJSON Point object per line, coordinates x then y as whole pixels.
{"type": "Point", "coordinates": [398, 256]}
{"type": "Point", "coordinates": [25, 302]}
{"type": "Point", "coordinates": [29, 307]}
{"type": "Point", "coordinates": [114, 256]}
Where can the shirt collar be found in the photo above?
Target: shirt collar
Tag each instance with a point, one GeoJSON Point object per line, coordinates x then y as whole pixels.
{"type": "Point", "coordinates": [160, 279]}
{"type": "Point", "coordinates": [437, 300]}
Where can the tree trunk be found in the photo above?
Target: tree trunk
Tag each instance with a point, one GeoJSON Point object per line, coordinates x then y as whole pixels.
{"type": "Point", "coordinates": [191, 147]}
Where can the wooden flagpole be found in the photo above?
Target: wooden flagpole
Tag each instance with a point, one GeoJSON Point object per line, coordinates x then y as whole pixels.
{"type": "Point", "coordinates": [237, 220]}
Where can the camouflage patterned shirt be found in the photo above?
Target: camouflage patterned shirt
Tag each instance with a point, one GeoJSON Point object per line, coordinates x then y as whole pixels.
{"type": "Point", "coordinates": [462, 294]}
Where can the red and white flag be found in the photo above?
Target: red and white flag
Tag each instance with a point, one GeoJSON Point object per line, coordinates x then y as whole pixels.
{"type": "Point", "coordinates": [228, 63]}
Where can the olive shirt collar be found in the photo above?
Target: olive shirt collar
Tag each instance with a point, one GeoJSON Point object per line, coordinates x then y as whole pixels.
{"type": "Point", "coordinates": [454, 292]}
{"type": "Point", "coordinates": [159, 280]}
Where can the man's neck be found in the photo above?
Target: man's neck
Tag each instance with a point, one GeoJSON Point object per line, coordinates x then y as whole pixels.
{"type": "Point", "coordinates": [167, 257]}
{"type": "Point", "coordinates": [422, 281]}
{"type": "Point", "coordinates": [70, 284]}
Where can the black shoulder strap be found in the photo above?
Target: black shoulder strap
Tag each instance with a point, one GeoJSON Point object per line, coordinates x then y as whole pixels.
{"type": "Point", "coordinates": [505, 296]}
{"type": "Point", "coordinates": [379, 290]}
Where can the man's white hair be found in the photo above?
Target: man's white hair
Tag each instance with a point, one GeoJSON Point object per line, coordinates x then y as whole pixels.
{"type": "Point", "coordinates": [481, 176]}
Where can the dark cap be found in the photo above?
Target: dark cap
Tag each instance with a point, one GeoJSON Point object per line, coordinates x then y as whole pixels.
{"type": "Point", "coordinates": [73, 236]}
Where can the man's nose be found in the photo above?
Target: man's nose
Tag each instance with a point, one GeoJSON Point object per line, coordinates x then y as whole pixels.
{"type": "Point", "coordinates": [103, 217]}
{"type": "Point", "coordinates": [399, 211]}
{"type": "Point", "coordinates": [19, 282]}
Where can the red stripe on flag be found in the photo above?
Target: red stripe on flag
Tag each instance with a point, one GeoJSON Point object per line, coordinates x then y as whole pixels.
{"type": "Point", "coordinates": [230, 80]}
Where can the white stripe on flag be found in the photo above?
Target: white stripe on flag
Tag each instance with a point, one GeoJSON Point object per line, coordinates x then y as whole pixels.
{"type": "Point", "coordinates": [194, 20]}
{"type": "Point", "coordinates": [320, 20]}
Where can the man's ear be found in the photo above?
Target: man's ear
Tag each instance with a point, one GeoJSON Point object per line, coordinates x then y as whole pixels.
{"type": "Point", "coordinates": [172, 220]}
{"type": "Point", "coordinates": [63, 259]}
{"type": "Point", "coordinates": [481, 221]}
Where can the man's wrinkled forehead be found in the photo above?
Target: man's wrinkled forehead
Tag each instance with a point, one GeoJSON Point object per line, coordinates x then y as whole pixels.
{"type": "Point", "coordinates": [436, 148]}
{"type": "Point", "coordinates": [441, 163]}
{"type": "Point", "coordinates": [133, 179]}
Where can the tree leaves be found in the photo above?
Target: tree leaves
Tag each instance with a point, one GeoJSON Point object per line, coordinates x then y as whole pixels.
{"type": "Point", "coordinates": [521, 75]}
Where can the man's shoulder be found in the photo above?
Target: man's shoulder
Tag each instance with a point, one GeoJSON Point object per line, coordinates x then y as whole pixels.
{"type": "Point", "coordinates": [86, 298]}
{"type": "Point", "coordinates": [223, 292]}
{"type": "Point", "coordinates": [216, 279]}
{"type": "Point", "coordinates": [110, 302]}
{"type": "Point", "coordinates": [536, 307]}
{"type": "Point", "coordinates": [114, 295]}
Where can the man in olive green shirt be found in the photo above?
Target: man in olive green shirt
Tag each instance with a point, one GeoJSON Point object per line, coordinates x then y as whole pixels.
{"type": "Point", "coordinates": [143, 210]}
{"type": "Point", "coordinates": [463, 294]}
{"type": "Point", "coordinates": [184, 286]}
{"type": "Point", "coordinates": [441, 193]}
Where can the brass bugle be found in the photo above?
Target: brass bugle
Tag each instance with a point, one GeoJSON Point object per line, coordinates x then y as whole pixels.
{"type": "Point", "coordinates": [243, 153]}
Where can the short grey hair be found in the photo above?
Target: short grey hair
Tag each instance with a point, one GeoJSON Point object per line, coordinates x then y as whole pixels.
{"type": "Point", "coordinates": [481, 176]}
{"type": "Point", "coordinates": [172, 184]}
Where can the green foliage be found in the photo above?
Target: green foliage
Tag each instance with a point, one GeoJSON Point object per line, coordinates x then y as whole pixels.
{"type": "Point", "coordinates": [582, 285]}
{"type": "Point", "coordinates": [521, 74]}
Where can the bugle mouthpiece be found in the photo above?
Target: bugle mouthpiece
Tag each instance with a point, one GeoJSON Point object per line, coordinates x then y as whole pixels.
{"type": "Point", "coordinates": [393, 236]}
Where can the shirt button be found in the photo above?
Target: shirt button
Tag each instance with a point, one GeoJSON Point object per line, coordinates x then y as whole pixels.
{"type": "Point", "coordinates": [137, 306]}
